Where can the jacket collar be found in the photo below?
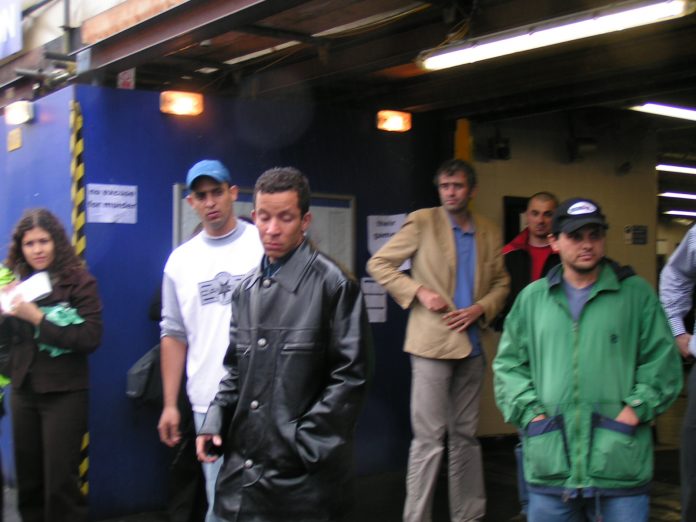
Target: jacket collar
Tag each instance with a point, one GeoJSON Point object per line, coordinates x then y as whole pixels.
{"type": "Point", "coordinates": [451, 223]}
{"type": "Point", "coordinates": [519, 242]}
{"type": "Point", "coordinates": [607, 279]}
{"type": "Point", "coordinates": [290, 274]}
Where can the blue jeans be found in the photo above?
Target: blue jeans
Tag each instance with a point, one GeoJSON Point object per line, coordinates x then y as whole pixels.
{"type": "Point", "coordinates": [210, 472]}
{"type": "Point", "coordinates": [552, 508]}
{"type": "Point", "coordinates": [522, 492]}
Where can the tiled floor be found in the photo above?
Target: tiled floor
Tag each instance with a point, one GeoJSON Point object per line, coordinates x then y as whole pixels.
{"type": "Point", "coordinates": [379, 498]}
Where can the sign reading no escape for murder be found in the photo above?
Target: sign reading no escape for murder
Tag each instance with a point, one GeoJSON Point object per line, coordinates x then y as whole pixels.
{"type": "Point", "coordinates": [112, 203]}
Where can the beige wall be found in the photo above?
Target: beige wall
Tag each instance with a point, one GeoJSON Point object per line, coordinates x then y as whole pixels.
{"type": "Point", "coordinates": [539, 161]}
{"type": "Point", "coordinates": [671, 234]}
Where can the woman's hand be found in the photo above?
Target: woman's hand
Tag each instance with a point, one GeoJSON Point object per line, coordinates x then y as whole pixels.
{"type": "Point", "coordinates": [25, 310]}
{"type": "Point", "coordinates": [4, 293]}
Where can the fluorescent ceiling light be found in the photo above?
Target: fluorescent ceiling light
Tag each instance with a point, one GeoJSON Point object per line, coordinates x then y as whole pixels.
{"type": "Point", "coordinates": [666, 110]}
{"type": "Point", "coordinates": [615, 17]}
{"type": "Point", "coordinates": [680, 195]}
{"type": "Point", "coordinates": [676, 168]}
{"type": "Point", "coordinates": [688, 213]}
{"type": "Point", "coordinates": [207, 70]}
{"type": "Point", "coordinates": [262, 52]}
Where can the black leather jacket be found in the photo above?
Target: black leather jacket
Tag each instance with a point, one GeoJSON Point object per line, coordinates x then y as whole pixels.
{"type": "Point", "coordinates": [298, 364]}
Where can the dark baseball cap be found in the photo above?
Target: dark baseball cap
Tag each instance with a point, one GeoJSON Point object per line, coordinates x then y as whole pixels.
{"type": "Point", "coordinates": [211, 168]}
{"type": "Point", "coordinates": [575, 213]}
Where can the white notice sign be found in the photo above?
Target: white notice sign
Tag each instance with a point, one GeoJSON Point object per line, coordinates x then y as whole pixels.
{"type": "Point", "coordinates": [375, 300]}
{"type": "Point", "coordinates": [380, 229]}
{"type": "Point", "coordinates": [112, 203]}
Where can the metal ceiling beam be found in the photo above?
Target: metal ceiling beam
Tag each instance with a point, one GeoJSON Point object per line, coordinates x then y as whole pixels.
{"type": "Point", "coordinates": [177, 28]}
{"type": "Point", "coordinates": [343, 60]}
{"type": "Point", "coordinates": [279, 34]}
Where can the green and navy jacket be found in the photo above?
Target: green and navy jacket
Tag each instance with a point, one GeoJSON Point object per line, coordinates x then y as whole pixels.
{"type": "Point", "coordinates": [581, 374]}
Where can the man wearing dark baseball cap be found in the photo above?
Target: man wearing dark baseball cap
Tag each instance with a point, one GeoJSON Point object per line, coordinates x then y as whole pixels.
{"type": "Point", "coordinates": [575, 213]}
{"type": "Point", "coordinates": [585, 364]}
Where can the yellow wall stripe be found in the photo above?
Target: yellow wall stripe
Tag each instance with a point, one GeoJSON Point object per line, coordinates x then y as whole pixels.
{"type": "Point", "coordinates": [463, 142]}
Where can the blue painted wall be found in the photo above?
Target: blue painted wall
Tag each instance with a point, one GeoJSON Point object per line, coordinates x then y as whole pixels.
{"type": "Point", "coordinates": [35, 175]}
{"type": "Point", "coordinates": [129, 142]}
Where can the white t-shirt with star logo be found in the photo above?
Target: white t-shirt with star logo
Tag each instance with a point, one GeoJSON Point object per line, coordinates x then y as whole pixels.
{"type": "Point", "coordinates": [199, 278]}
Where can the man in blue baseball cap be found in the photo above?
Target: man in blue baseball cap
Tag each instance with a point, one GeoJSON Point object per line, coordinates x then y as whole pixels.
{"type": "Point", "coordinates": [197, 286]}
{"type": "Point", "coordinates": [211, 169]}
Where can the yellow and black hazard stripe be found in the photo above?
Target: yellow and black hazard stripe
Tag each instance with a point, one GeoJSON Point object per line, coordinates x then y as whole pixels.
{"type": "Point", "coordinates": [84, 464]}
{"type": "Point", "coordinates": [77, 194]}
{"type": "Point", "coordinates": [77, 170]}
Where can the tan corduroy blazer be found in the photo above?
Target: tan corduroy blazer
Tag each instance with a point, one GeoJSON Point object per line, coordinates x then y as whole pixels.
{"type": "Point", "coordinates": [427, 239]}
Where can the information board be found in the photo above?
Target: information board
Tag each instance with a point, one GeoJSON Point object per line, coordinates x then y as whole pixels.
{"type": "Point", "coordinates": [332, 228]}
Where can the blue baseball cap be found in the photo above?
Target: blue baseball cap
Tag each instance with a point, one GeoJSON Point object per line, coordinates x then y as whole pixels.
{"type": "Point", "coordinates": [211, 168]}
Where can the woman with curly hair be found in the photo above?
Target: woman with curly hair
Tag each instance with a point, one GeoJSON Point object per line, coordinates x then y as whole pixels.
{"type": "Point", "coordinates": [49, 342]}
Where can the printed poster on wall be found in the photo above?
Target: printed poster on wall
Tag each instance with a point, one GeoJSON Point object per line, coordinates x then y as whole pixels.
{"type": "Point", "coordinates": [112, 203]}
{"type": "Point", "coordinates": [380, 229]}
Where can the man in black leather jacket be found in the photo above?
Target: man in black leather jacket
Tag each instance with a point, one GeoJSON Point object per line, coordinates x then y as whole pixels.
{"type": "Point", "coordinates": [298, 364]}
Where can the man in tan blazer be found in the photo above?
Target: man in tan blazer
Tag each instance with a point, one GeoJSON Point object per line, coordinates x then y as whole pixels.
{"type": "Point", "coordinates": [457, 284]}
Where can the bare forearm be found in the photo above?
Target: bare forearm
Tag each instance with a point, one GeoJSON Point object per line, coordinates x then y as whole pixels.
{"type": "Point", "coordinates": [173, 361]}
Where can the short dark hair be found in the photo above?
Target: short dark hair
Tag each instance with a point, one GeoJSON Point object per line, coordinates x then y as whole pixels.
{"type": "Point", "coordinates": [282, 179]}
{"type": "Point", "coordinates": [65, 258]}
{"type": "Point", "coordinates": [452, 166]}
{"type": "Point", "coordinates": [544, 196]}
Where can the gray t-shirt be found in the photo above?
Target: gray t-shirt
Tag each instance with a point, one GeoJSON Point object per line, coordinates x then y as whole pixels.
{"type": "Point", "coordinates": [577, 297]}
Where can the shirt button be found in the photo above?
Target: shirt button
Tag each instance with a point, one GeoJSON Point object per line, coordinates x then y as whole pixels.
{"type": "Point", "coordinates": [262, 342]}
{"type": "Point", "coordinates": [266, 283]}
{"type": "Point", "coordinates": [254, 405]}
{"type": "Point", "coordinates": [248, 463]}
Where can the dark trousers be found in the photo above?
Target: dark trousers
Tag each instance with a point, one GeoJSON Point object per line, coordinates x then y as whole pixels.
{"type": "Point", "coordinates": [688, 453]}
{"type": "Point", "coordinates": [48, 430]}
{"type": "Point", "coordinates": [187, 499]}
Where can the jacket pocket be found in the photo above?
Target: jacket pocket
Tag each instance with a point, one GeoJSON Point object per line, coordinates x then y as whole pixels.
{"type": "Point", "coordinates": [617, 450]}
{"type": "Point", "coordinates": [301, 347]}
{"type": "Point", "coordinates": [242, 354]}
{"type": "Point", "coordinates": [545, 450]}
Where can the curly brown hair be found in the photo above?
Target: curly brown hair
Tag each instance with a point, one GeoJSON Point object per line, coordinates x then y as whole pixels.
{"type": "Point", "coordinates": [65, 258]}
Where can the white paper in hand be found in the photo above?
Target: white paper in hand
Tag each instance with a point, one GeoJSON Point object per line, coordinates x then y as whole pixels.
{"type": "Point", "coordinates": [33, 289]}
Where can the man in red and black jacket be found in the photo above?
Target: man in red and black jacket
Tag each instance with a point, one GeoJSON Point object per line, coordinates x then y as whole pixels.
{"type": "Point", "coordinates": [528, 256]}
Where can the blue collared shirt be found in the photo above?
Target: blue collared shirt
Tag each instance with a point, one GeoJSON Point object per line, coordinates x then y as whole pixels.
{"type": "Point", "coordinates": [465, 244]}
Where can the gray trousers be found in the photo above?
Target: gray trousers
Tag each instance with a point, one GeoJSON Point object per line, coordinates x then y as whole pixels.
{"type": "Point", "coordinates": [445, 399]}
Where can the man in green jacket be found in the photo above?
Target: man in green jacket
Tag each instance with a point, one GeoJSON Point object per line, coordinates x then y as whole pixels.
{"type": "Point", "coordinates": [586, 362]}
